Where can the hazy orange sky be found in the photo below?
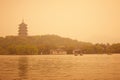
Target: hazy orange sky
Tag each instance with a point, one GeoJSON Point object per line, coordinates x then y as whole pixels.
{"type": "Point", "coordinates": [85, 20]}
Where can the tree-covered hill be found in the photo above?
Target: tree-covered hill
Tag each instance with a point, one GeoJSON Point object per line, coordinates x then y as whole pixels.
{"type": "Point", "coordinates": [37, 44]}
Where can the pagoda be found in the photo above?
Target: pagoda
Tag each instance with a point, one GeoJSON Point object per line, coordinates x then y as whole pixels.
{"type": "Point", "coordinates": [22, 29]}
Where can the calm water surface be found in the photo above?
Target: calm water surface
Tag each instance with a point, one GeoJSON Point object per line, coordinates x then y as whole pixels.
{"type": "Point", "coordinates": [60, 67]}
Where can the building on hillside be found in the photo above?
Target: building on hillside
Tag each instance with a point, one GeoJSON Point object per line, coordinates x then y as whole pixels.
{"type": "Point", "coordinates": [78, 52]}
{"type": "Point", "coordinates": [58, 52]}
{"type": "Point", "coordinates": [22, 29]}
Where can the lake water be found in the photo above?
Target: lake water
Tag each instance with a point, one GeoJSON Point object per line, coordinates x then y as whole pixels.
{"type": "Point", "coordinates": [60, 67]}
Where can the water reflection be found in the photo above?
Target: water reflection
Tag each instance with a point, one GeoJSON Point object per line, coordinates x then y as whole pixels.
{"type": "Point", "coordinates": [58, 67]}
{"type": "Point", "coordinates": [23, 67]}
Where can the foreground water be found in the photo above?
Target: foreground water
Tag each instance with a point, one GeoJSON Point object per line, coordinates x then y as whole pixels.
{"type": "Point", "coordinates": [60, 67]}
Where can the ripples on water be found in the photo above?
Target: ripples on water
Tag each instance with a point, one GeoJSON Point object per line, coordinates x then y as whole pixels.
{"type": "Point", "coordinates": [60, 67]}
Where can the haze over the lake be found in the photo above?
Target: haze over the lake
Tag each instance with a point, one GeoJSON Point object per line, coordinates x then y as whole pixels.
{"type": "Point", "coordinates": [85, 20]}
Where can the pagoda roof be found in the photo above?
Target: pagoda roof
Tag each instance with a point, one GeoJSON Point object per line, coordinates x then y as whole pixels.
{"type": "Point", "coordinates": [22, 24]}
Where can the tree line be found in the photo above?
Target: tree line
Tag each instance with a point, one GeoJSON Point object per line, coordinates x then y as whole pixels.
{"type": "Point", "coordinates": [35, 45]}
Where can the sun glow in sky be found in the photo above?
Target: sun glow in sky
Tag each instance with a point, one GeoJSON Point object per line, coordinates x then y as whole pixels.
{"type": "Point", "coordinates": [85, 20]}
